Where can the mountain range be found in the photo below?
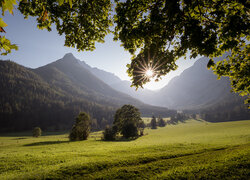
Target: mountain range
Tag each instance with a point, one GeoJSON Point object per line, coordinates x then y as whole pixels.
{"type": "Point", "coordinates": [52, 95]}
{"type": "Point", "coordinates": [194, 88]}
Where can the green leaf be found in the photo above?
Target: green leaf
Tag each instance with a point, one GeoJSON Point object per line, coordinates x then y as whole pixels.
{"type": "Point", "coordinates": [210, 63]}
{"type": "Point", "coordinates": [60, 2]}
{"type": "Point", "coordinates": [2, 23]}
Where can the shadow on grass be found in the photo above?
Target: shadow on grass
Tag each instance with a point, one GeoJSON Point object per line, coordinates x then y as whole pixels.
{"type": "Point", "coordinates": [47, 143]}
{"type": "Point", "coordinates": [19, 138]}
{"type": "Point", "coordinates": [120, 139]}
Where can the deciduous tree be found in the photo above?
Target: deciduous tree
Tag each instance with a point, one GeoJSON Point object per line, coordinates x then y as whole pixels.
{"type": "Point", "coordinates": [37, 132]}
{"type": "Point", "coordinates": [127, 121]}
{"type": "Point", "coordinates": [81, 128]}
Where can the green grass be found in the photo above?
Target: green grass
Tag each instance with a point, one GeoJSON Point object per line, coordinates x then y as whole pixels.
{"type": "Point", "coordinates": [193, 150]}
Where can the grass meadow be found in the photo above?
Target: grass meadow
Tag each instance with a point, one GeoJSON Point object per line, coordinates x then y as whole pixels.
{"type": "Point", "coordinates": [191, 150]}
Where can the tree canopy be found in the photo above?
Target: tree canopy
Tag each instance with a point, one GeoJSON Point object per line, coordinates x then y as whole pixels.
{"type": "Point", "coordinates": [156, 33]}
{"type": "Point", "coordinates": [81, 128]}
{"type": "Point", "coordinates": [127, 121]}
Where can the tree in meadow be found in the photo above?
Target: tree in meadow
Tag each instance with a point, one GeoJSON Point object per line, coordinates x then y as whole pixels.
{"type": "Point", "coordinates": [37, 132]}
{"type": "Point", "coordinates": [153, 123]}
{"type": "Point", "coordinates": [161, 122]}
{"type": "Point", "coordinates": [127, 121]}
{"type": "Point", "coordinates": [81, 128]}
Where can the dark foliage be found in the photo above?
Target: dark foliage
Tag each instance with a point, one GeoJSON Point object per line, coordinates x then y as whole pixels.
{"type": "Point", "coordinates": [81, 128]}
{"type": "Point", "coordinates": [127, 121]}
{"type": "Point", "coordinates": [230, 109]}
{"type": "Point", "coordinates": [37, 132]}
{"type": "Point", "coordinates": [180, 117]}
{"type": "Point", "coordinates": [161, 122]}
{"type": "Point", "coordinates": [129, 130]}
{"type": "Point", "coordinates": [109, 134]}
{"type": "Point", "coordinates": [153, 123]}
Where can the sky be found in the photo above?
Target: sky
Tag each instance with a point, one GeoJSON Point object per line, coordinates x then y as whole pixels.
{"type": "Point", "coordinates": [40, 47]}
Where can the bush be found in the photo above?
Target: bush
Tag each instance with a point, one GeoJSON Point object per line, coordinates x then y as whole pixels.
{"type": "Point", "coordinates": [37, 132]}
{"type": "Point", "coordinates": [161, 122]}
{"type": "Point", "coordinates": [109, 134]}
{"type": "Point", "coordinates": [129, 130]}
{"type": "Point", "coordinates": [81, 128]}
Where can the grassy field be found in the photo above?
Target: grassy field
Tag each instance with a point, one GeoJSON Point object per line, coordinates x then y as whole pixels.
{"type": "Point", "coordinates": [193, 150]}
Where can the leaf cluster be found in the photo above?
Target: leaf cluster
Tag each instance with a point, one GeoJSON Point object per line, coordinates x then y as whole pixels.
{"type": "Point", "coordinates": [156, 33]}
{"type": "Point", "coordinates": [180, 28]}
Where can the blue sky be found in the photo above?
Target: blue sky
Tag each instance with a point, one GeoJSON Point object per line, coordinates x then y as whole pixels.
{"type": "Point", "coordinates": [40, 47]}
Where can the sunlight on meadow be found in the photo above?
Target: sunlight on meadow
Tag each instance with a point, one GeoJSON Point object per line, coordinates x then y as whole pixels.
{"type": "Point", "coordinates": [181, 145]}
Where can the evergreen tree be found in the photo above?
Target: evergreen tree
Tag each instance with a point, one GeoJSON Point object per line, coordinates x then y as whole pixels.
{"type": "Point", "coordinates": [153, 123]}
{"type": "Point", "coordinates": [81, 128]}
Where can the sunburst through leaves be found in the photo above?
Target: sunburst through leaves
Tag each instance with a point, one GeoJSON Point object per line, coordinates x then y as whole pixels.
{"type": "Point", "coordinates": [150, 64]}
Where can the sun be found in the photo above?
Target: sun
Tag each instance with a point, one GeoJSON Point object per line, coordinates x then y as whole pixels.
{"type": "Point", "coordinates": [149, 73]}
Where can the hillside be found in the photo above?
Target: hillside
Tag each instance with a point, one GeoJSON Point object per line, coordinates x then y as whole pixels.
{"type": "Point", "coordinates": [194, 88]}
{"type": "Point", "coordinates": [67, 75]}
{"type": "Point", "coordinates": [27, 101]}
{"type": "Point", "coordinates": [52, 95]}
{"type": "Point", "coordinates": [120, 85]}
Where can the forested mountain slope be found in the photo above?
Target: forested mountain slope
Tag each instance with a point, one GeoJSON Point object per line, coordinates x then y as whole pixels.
{"type": "Point", "coordinates": [52, 95]}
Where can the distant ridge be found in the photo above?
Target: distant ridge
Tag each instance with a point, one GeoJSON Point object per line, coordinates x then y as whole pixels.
{"type": "Point", "coordinates": [52, 95]}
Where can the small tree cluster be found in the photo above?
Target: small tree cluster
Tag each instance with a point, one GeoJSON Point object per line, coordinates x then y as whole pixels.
{"type": "Point", "coordinates": [81, 128]}
{"type": "Point", "coordinates": [37, 132]}
{"type": "Point", "coordinates": [179, 117]}
{"type": "Point", "coordinates": [127, 122]}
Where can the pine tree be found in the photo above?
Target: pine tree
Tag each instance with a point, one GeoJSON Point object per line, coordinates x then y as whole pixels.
{"type": "Point", "coordinates": [153, 123]}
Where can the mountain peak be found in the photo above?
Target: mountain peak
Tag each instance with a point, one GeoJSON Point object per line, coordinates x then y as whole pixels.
{"type": "Point", "coordinates": [69, 56]}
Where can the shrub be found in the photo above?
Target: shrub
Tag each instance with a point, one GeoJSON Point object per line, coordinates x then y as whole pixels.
{"type": "Point", "coordinates": [37, 132]}
{"type": "Point", "coordinates": [129, 130]}
{"type": "Point", "coordinates": [109, 134]}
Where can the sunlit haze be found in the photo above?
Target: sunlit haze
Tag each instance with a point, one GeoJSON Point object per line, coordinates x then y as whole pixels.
{"type": "Point", "coordinates": [149, 73]}
{"type": "Point", "coordinates": [40, 47]}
